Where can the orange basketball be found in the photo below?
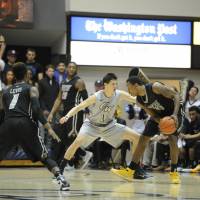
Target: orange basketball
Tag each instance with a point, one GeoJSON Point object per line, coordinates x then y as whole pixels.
{"type": "Point", "coordinates": [167, 125]}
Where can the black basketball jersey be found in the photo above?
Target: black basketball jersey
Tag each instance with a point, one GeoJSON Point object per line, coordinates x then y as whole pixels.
{"type": "Point", "coordinates": [70, 95]}
{"type": "Point", "coordinates": [16, 100]}
{"type": "Point", "coordinates": [161, 105]}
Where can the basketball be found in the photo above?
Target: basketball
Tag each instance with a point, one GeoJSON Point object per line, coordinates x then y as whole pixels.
{"type": "Point", "coordinates": [167, 125]}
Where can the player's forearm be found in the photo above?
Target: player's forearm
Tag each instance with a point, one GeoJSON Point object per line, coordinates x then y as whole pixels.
{"type": "Point", "coordinates": [74, 110]}
{"type": "Point", "coordinates": [131, 99]}
{"type": "Point", "coordinates": [195, 136]}
{"type": "Point", "coordinates": [176, 104]}
{"type": "Point", "coordinates": [56, 106]}
{"type": "Point", "coordinates": [47, 126]}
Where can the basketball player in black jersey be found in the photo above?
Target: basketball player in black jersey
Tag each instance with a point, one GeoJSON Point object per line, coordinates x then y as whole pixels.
{"type": "Point", "coordinates": [19, 101]}
{"type": "Point", "coordinates": [72, 91]}
{"type": "Point", "coordinates": [158, 100]}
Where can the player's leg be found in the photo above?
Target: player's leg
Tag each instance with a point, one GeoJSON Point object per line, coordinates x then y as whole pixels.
{"type": "Point", "coordinates": [33, 145]}
{"type": "Point", "coordinates": [174, 153]}
{"type": "Point", "coordinates": [7, 139]}
{"type": "Point", "coordinates": [58, 149]}
{"type": "Point", "coordinates": [134, 170]}
{"type": "Point", "coordinates": [85, 137]}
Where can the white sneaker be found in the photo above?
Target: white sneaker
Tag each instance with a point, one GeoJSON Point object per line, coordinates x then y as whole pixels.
{"type": "Point", "coordinates": [86, 159]}
{"type": "Point", "coordinates": [69, 167]}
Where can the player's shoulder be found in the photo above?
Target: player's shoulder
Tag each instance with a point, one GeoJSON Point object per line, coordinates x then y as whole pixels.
{"type": "Point", "coordinates": [156, 86]}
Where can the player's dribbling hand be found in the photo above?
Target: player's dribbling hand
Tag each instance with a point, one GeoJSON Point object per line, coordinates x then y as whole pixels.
{"type": "Point", "coordinates": [63, 120]}
{"type": "Point", "coordinates": [175, 119]}
{"type": "Point", "coordinates": [54, 135]}
{"type": "Point", "coordinates": [50, 118]}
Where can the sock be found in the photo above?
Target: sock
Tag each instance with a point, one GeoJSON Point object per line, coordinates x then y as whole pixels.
{"type": "Point", "coordinates": [133, 165]}
{"type": "Point", "coordinates": [63, 164]}
{"type": "Point", "coordinates": [173, 167]}
{"type": "Point", "coordinates": [56, 171]}
{"type": "Point", "coordinates": [81, 152]}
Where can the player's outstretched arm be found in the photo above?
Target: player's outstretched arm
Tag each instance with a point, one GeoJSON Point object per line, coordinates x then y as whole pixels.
{"type": "Point", "coordinates": [89, 101]}
{"type": "Point", "coordinates": [37, 112]}
{"type": "Point", "coordinates": [125, 96]}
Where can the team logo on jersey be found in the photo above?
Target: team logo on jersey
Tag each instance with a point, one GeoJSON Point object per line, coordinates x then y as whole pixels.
{"type": "Point", "coordinates": [106, 107]}
{"type": "Point", "coordinates": [65, 89]}
{"type": "Point", "coordinates": [156, 106]}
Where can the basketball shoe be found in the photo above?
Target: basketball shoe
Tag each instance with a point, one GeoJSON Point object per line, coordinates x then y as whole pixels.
{"type": "Point", "coordinates": [64, 185]}
{"type": "Point", "coordinates": [129, 174]}
{"type": "Point", "coordinates": [196, 169]}
{"type": "Point", "coordinates": [175, 177]}
{"type": "Point", "coordinates": [86, 159]}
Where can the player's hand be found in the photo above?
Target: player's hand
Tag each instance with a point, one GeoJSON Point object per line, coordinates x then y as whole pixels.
{"type": "Point", "coordinates": [175, 119]}
{"type": "Point", "coordinates": [54, 135]}
{"type": "Point", "coordinates": [46, 113]}
{"type": "Point", "coordinates": [63, 120]}
{"type": "Point", "coordinates": [50, 118]}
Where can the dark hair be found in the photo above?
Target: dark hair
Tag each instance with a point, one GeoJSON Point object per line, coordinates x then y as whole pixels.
{"type": "Point", "coordinates": [30, 49]}
{"type": "Point", "coordinates": [108, 77]}
{"type": "Point", "coordinates": [6, 81]}
{"type": "Point", "coordinates": [49, 66]}
{"type": "Point", "coordinates": [134, 79]}
{"type": "Point", "coordinates": [61, 62]}
{"type": "Point", "coordinates": [19, 70]}
{"type": "Point", "coordinates": [72, 63]}
{"type": "Point", "coordinates": [195, 88]}
{"type": "Point", "coordinates": [134, 72]}
{"type": "Point", "coordinates": [194, 108]}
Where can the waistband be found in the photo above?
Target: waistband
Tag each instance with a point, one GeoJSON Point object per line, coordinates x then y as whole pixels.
{"type": "Point", "coordinates": [101, 125]}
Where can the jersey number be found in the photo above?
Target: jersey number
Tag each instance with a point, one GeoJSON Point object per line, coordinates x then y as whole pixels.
{"type": "Point", "coordinates": [103, 118]}
{"type": "Point", "coordinates": [14, 101]}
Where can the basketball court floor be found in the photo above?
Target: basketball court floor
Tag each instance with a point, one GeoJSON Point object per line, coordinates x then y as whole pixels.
{"type": "Point", "coordinates": [37, 184]}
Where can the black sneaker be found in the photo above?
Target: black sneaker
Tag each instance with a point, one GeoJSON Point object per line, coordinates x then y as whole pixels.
{"type": "Point", "coordinates": [140, 174]}
{"type": "Point", "coordinates": [64, 185]}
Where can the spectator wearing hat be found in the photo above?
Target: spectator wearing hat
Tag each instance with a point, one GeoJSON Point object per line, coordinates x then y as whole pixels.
{"type": "Point", "coordinates": [11, 60]}
{"type": "Point", "coordinates": [98, 85]}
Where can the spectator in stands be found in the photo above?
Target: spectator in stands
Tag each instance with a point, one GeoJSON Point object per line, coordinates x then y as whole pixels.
{"type": "Point", "coordinates": [98, 85]}
{"type": "Point", "coordinates": [29, 78]}
{"type": "Point", "coordinates": [9, 78]}
{"type": "Point", "coordinates": [2, 46]}
{"type": "Point", "coordinates": [162, 151]}
{"type": "Point", "coordinates": [60, 73]}
{"type": "Point", "coordinates": [192, 99]}
{"type": "Point", "coordinates": [48, 90]}
{"type": "Point", "coordinates": [11, 59]}
{"type": "Point", "coordinates": [137, 116]}
{"type": "Point", "coordinates": [2, 66]}
{"type": "Point", "coordinates": [149, 160]}
{"type": "Point", "coordinates": [191, 135]}
{"type": "Point", "coordinates": [31, 63]}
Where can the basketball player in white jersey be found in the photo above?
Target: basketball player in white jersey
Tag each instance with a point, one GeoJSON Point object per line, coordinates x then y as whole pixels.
{"type": "Point", "coordinates": [101, 122]}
